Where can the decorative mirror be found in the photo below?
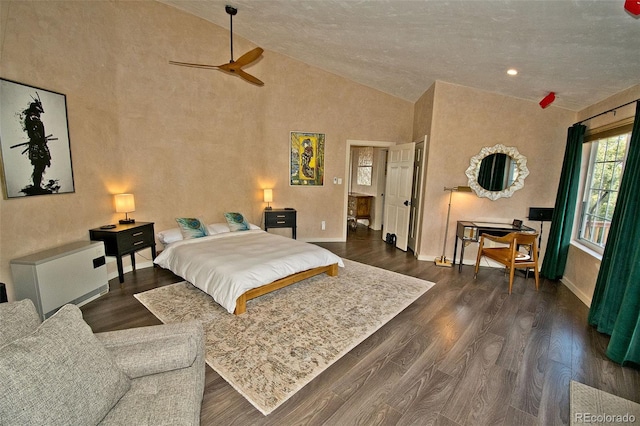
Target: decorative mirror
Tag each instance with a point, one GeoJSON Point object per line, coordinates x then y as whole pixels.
{"type": "Point", "coordinates": [497, 172]}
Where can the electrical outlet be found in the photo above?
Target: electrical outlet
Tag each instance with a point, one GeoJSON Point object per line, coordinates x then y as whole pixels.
{"type": "Point", "coordinates": [324, 225]}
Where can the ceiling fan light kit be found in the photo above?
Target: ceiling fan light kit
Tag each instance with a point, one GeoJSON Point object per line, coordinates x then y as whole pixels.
{"type": "Point", "coordinates": [232, 67]}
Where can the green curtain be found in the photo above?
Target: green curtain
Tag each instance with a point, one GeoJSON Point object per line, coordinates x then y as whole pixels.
{"type": "Point", "coordinates": [615, 308]}
{"type": "Point", "coordinates": [555, 256]}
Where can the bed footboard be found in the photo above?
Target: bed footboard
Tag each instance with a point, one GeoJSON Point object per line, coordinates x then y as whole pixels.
{"type": "Point", "coordinates": [241, 302]}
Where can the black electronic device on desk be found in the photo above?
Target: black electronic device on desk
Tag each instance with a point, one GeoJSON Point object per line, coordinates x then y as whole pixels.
{"type": "Point", "coordinates": [469, 232]}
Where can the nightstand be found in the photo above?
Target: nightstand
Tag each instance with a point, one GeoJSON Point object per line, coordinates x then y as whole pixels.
{"type": "Point", "coordinates": [126, 239]}
{"type": "Point", "coordinates": [280, 218]}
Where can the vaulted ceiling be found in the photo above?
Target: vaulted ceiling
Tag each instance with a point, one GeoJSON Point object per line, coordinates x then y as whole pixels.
{"type": "Point", "coordinates": [583, 50]}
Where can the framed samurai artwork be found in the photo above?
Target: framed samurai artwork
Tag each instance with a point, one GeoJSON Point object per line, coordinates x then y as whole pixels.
{"type": "Point", "coordinates": [307, 159]}
{"type": "Point", "coordinates": [34, 141]}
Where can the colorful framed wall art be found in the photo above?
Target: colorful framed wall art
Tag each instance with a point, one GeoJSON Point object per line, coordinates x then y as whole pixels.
{"type": "Point", "coordinates": [307, 159]}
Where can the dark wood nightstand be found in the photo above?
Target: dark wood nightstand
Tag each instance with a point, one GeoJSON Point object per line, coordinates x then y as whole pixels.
{"type": "Point", "coordinates": [281, 218]}
{"type": "Point", "coordinates": [126, 239]}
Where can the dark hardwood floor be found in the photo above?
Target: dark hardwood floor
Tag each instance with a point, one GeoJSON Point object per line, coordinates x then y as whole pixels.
{"type": "Point", "coordinates": [465, 353]}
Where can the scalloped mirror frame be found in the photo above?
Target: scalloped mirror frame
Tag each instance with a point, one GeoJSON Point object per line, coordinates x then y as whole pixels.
{"type": "Point", "coordinates": [521, 171]}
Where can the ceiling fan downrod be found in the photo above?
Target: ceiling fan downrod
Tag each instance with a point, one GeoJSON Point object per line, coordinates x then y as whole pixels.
{"type": "Point", "coordinates": [231, 11]}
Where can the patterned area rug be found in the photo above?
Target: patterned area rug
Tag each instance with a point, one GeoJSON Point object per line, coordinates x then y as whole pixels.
{"type": "Point", "coordinates": [288, 337]}
{"type": "Point", "coordinates": [595, 407]}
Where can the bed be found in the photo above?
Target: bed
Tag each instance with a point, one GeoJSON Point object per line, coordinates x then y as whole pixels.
{"type": "Point", "coordinates": [234, 267]}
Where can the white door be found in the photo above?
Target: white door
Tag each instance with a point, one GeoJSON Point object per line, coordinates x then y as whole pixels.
{"type": "Point", "coordinates": [416, 195]}
{"type": "Point", "coordinates": [398, 193]}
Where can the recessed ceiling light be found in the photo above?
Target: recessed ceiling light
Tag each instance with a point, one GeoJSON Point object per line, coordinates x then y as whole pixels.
{"type": "Point", "coordinates": [512, 71]}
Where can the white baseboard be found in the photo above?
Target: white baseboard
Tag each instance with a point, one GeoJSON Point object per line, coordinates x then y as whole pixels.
{"type": "Point", "coordinates": [431, 258]}
{"type": "Point", "coordinates": [128, 268]}
{"type": "Point", "coordinates": [322, 240]}
{"type": "Point", "coordinates": [584, 298]}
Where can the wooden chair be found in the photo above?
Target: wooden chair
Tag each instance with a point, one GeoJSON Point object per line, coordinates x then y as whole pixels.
{"type": "Point", "coordinates": [509, 256]}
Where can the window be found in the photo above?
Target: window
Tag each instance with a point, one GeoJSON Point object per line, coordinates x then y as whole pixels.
{"type": "Point", "coordinates": [365, 166]}
{"type": "Point", "coordinates": [607, 155]}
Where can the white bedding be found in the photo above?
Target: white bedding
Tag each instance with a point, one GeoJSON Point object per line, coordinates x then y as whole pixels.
{"type": "Point", "coordinates": [227, 265]}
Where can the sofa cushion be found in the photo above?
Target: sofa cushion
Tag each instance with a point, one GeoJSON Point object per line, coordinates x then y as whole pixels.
{"type": "Point", "coordinates": [17, 319]}
{"type": "Point", "coordinates": [59, 374]}
{"type": "Point", "coordinates": [156, 349]}
{"type": "Point", "coordinates": [168, 399]}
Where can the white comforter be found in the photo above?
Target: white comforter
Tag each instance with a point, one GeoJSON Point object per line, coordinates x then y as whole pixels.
{"type": "Point", "coordinates": [227, 265]}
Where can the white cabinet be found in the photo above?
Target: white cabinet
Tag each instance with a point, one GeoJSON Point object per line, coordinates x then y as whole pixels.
{"type": "Point", "coordinates": [73, 273]}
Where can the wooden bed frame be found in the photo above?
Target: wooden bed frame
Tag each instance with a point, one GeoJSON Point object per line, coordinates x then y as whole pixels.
{"type": "Point", "coordinates": [241, 302]}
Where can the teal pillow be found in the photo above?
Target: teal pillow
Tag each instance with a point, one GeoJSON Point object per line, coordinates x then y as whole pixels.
{"type": "Point", "coordinates": [192, 227]}
{"type": "Point", "coordinates": [236, 222]}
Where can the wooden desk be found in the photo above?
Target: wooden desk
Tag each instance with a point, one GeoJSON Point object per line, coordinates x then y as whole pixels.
{"type": "Point", "coordinates": [469, 232]}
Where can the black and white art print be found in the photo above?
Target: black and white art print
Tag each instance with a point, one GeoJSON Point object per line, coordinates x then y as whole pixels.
{"type": "Point", "coordinates": [34, 138]}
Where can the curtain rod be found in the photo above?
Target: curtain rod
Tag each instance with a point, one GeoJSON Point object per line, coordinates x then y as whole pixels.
{"type": "Point", "coordinates": [607, 111]}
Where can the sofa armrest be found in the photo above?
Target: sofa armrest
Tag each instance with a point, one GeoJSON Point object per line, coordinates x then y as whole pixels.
{"type": "Point", "coordinates": [156, 349]}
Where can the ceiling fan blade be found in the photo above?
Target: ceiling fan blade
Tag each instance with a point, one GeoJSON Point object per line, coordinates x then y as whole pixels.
{"type": "Point", "coordinates": [187, 64]}
{"type": "Point", "coordinates": [249, 77]}
{"type": "Point", "coordinates": [232, 67]}
{"type": "Point", "coordinates": [249, 57]}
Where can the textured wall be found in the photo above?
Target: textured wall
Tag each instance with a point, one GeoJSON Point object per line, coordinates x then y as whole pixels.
{"type": "Point", "coordinates": [184, 141]}
{"type": "Point", "coordinates": [463, 121]}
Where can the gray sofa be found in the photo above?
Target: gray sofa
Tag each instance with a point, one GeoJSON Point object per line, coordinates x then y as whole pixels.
{"type": "Point", "coordinates": [59, 372]}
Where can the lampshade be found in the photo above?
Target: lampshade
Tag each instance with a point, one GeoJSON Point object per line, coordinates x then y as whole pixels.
{"type": "Point", "coordinates": [462, 189]}
{"type": "Point", "coordinates": [125, 203]}
{"type": "Point", "coordinates": [458, 189]}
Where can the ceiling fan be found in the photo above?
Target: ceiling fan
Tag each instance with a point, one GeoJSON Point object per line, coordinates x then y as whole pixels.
{"type": "Point", "coordinates": [233, 67]}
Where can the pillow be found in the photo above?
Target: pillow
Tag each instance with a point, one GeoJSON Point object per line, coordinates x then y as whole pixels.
{"type": "Point", "coordinates": [59, 375]}
{"type": "Point", "coordinates": [236, 222]}
{"type": "Point", "coordinates": [175, 234]}
{"type": "Point", "coordinates": [190, 227]}
{"type": "Point", "coordinates": [218, 228]}
{"type": "Point", "coordinates": [169, 236]}
{"type": "Point", "coordinates": [221, 228]}
{"type": "Point", "coordinates": [17, 319]}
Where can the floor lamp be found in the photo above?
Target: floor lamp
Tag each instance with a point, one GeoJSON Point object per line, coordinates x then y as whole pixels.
{"type": "Point", "coordinates": [442, 260]}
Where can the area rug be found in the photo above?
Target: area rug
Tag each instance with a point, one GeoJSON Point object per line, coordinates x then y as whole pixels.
{"type": "Point", "coordinates": [595, 407]}
{"type": "Point", "coordinates": [288, 337]}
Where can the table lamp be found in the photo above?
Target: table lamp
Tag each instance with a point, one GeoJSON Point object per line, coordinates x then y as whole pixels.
{"type": "Point", "coordinates": [125, 204]}
{"type": "Point", "coordinates": [268, 198]}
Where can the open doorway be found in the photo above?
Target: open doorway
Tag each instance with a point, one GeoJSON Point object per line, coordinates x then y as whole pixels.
{"type": "Point", "coordinates": [368, 157]}
{"type": "Point", "coordinates": [366, 184]}
{"type": "Point", "coordinates": [421, 154]}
